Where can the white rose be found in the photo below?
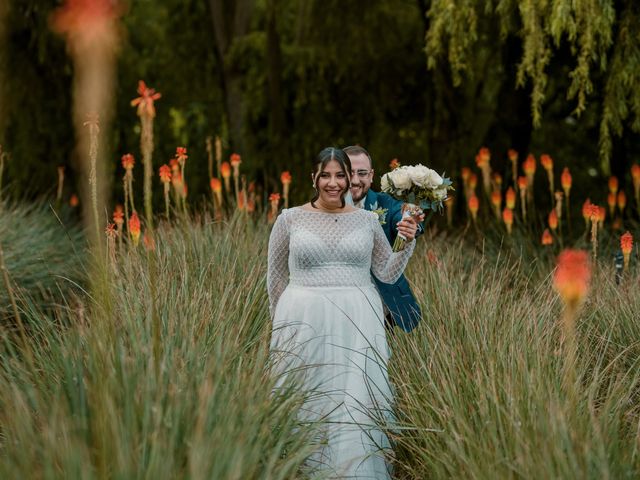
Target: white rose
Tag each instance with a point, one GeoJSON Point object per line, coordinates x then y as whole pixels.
{"type": "Point", "coordinates": [434, 180]}
{"type": "Point", "coordinates": [384, 183]}
{"type": "Point", "coordinates": [401, 178]}
{"type": "Point", "coordinates": [420, 175]}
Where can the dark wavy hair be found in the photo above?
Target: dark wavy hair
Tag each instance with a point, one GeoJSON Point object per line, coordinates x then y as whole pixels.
{"type": "Point", "coordinates": [321, 160]}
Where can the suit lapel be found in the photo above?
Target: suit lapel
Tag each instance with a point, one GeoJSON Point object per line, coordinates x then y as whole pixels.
{"type": "Point", "coordinates": [370, 200]}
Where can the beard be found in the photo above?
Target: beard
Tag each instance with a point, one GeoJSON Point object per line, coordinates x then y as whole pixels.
{"type": "Point", "coordinates": [359, 192]}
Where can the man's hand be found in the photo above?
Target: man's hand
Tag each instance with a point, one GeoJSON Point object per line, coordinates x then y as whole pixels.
{"type": "Point", "coordinates": [408, 228]}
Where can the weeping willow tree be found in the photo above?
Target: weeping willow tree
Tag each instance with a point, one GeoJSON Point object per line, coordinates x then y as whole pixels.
{"type": "Point", "coordinates": [601, 36]}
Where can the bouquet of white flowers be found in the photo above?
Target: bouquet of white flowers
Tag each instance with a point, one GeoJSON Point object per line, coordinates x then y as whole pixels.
{"type": "Point", "coordinates": [420, 187]}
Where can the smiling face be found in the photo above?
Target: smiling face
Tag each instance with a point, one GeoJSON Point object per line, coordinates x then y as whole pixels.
{"type": "Point", "coordinates": [362, 177]}
{"type": "Point", "coordinates": [332, 183]}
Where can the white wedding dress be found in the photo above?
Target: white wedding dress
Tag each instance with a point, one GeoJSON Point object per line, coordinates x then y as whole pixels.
{"type": "Point", "coordinates": [328, 330]}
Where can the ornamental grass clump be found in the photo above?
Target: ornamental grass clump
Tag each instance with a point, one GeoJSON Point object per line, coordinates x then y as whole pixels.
{"type": "Point", "coordinates": [93, 405]}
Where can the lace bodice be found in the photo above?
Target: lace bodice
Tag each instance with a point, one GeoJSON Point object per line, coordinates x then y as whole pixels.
{"type": "Point", "coordinates": [317, 249]}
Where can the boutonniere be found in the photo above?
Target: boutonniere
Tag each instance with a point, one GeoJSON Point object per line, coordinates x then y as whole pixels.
{"type": "Point", "coordinates": [381, 212]}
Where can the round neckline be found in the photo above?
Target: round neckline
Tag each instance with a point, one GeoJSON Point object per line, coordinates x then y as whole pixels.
{"type": "Point", "coordinates": [301, 208]}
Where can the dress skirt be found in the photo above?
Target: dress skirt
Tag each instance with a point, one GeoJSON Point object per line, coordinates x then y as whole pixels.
{"type": "Point", "coordinates": [333, 341]}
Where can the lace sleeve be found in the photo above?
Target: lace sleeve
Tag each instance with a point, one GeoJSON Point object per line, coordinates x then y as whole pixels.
{"type": "Point", "coordinates": [387, 265]}
{"type": "Point", "coordinates": [278, 261]}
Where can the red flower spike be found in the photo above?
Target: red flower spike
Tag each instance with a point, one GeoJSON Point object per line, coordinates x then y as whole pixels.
{"type": "Point", "coordinates": [572, 276]}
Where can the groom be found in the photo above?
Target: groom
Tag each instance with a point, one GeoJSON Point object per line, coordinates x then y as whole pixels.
{"type": "Point", "coordinates": [404, 310]}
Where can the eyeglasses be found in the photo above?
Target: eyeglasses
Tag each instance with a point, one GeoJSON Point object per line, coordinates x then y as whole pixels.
{"type": "Point", "coordinates": [361, 173]}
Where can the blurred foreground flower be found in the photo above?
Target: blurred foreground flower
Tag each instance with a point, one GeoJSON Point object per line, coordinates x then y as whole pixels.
{"type": "Point", "coordinates": [572, 277]}
{"type": "Point", "coordinates": [571, 280]}
{"type": "Point", "coordinates": [626, 245]}
{"type": "Point", "coordinates": [74, 201]}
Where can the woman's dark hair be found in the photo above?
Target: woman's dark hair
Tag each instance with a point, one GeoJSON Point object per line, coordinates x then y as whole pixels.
{"type": "Point", "coordinates": [324, 157]}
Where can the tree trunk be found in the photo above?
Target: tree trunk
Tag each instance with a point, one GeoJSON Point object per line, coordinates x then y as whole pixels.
{"type": "Point", "coordinates": [231, 20]}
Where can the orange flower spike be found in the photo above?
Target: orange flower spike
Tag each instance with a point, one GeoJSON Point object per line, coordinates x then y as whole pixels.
{"type": "Point", "coordinates": [175, 166]}
{"type": "Point", "coordinates": [510, 198]}
{"type": "Point", "coordinates": [497, 180]}
{"type": "Point", "coordinates": [546, 161]}
{"type": "Point", "coordinates": [553, 220]}
{"type": "Point", "coordinates": [285, 178]}
{"type": "Point", "coordinates": [128, 161]}
{"type": "Point", "coordinates": [165, 173]}
{"type": "Point", "coordinates": [547, 238]}
{"type": "Point", "coordinates": [602, 214]}
{"type": "Point", "coordinates": [572, 276]}
{"type": "Point", "coordinates": [565, 180]}
{"type": "Point", "coordinates": [74, 201]}
{"type": "Point", "coordinates": [529, 165]}
{"type": "Point", "coordinates": [635, 175]}
{"type": "Point", "coordinates": [507, 217]}
{"type": "Point", "coordinates": [393, 164]}
{"type": "Point", "coordinates": [496, 199]}
{"type": "Point", "coordinates": [613, 185]}
{"type": "Point", "coordinates": [134, 228]}
{"type": "Point", "coordinates": [181, 155]}
{"type": "Point", "coordinates": [118, 216]}
{"type": "Point", "coordinates": [274, 200]}
{"type": "Point", "coordinates": [512, 154]}
{"type": "Point", "coordinates": [586, 210]}
{"type": "Point", "coordinates": [145, 102]}
{"type": "Point", "coordinates": [622, 200]}
{"type": "Point", "coordinates": [235, 160]}
{"type": "Point", "coordinates": [611, 201]}
{"type": "Point", "coordinates": [513, 158]}
{"type": "Point", "coordinates": [225, 170]}
{"type": "Point", "coordinates": [474, 205]}
{"type": "Point", "coordinates": [216, 185]}
{"type": "Point", "coordinates": [626, 243]}
{"type": "Point", "coordinates": [522, 183]}
{"type": "Point", "coordinates": [473, 182]}
{"type": "Point", "coordinates": [465, 173]}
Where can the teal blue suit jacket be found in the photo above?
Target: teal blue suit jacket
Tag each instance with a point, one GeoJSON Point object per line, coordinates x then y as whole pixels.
{"type": "Point", "coordinates": [397, 296]}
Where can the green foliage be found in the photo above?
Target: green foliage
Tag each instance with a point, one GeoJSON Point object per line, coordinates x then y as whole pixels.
{"type": "Point", "coordinates": [479, 389]}
{"type": "Point", "coordinates": [98, 402]}
{"type": "Point", "coordinates": [43, 258]}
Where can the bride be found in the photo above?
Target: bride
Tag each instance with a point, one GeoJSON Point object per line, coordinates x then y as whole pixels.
{"type": "Point", "coordinates": [328, 321]}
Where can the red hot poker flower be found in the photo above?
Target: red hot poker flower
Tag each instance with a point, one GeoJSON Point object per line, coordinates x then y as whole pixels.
{"type": "Point", "coordinates": [522, 183]}
{"type": "Point", "coordinates": [118, 215]}
{"type": "Point", "coordinates": [128, 161]}
{"type": "Point", "coordinates": [635, 173]}
{"type": "Point", "coordinates": [510, 198]}
{"type": "Point", "coordinates": [145, 102]}
{"type": "Point", "coordinates": [134, 228]}
{"type": "Point", "coordinates": [622, 200]}
{"type": "Point", "coordinates": [225, 170]}
{"type": "Point", "coordinates": [572, 276]}
{"type": "Point", "coordinates": [165, 173]}
{"type": "Point", "coordinates": [507, 217]}
{"type": "Point", "coordinates": [474, 205]}
{"type": "Point", "coordinates": [393, 164]}
{"type": "Point", "coordinates": [235, 159]}
{"type": "Point", "coordinates": [181, 155]}
{"type": "Point", "coordinates": [613, 185]}
{"type": "Point", "coordinates": [547, 238]}
{"type": "Point", "coordinates": [553, 220]}
{"type": "Point", "coordinates": [473, 181]}
{"type": "Point", "coordinates": [465, 173]}
{"type": "Point", "coordinates": [546, 161]}
{"type": "Point", "coordinates": [513, 155]}
{"type": "Point", "coordinates": [285, 178]}
{"type": "Point", "coordinates": [216, 185]}
{"type": "Point", "coordinates": [626, 243]}
{"type": "Point", "coordinates": [565, 179]}
{"type": "Point", "coordinates": [586, 210]}
{"type": "Point", "coordinates": [529, 165]}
